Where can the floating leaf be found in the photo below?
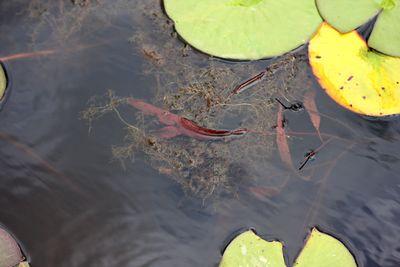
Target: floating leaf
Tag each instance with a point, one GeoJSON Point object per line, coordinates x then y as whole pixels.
{"type": "Point", "coordinates": [10, 253]}
{"type": "Point", "coordinates": [321, 249]}
{"type": "Point", "coordinates": [248, 249]}
{"type": "Point", "coordinates": [3, 81]}
{"type": "Point", "coordinates": [345, 16]}
{"type": "Point", "coordinates": [386, 34]}
{"type": "Point", "coordinates": [363, 81]}
{"type": "Point", "coordinates": [244, 29]}
{"type": "Point", "coordinates": [324, 250]}
{"type": "Point", "coordinates": [24, 264]}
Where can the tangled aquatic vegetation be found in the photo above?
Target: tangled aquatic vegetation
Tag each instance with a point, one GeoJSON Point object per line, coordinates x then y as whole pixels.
{"type": "Point", "coordinates": [202, 90]}
{"type": "Point", "coordinates": [205, 167]}
{"type": "Point", "coordinates": [214, 95]}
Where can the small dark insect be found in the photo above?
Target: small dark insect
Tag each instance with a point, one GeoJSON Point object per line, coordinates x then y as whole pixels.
{"type": "Point", "coordinates": [296, 106]}
{"type": "Point", "coordinates": [310, 155]}
{"type": "Point", "coordinates": [350, 78]}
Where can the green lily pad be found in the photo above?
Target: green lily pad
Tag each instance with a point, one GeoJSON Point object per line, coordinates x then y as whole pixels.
{"type": "Point", "coordinates": [386, 34]}
{"type": "Point", "coordinates": [244, 29]}
{"type": "Point", "coordinates": [320, 249]}
{"type": "Point", "coordinates": [324, 250]}
{"type": "Point", "coordinates": [347, 15]}
{"type": "Point", "coordinates": [248, 249]}
{"type": "Point", "coordinates": [10, 253]}
{"type": "Point", "coordinates": [3, 82]}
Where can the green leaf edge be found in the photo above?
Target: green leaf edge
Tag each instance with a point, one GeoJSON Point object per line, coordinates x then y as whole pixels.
{"type": "Point", "coordinates": [244, 58]}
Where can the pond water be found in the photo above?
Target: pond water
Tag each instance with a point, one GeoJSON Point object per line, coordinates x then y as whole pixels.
{"type": "Point", "coordinates": [70, 204]}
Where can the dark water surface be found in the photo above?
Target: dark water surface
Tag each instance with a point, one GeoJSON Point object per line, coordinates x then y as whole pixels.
{"type": "Point", "coordinates": [85, 210]}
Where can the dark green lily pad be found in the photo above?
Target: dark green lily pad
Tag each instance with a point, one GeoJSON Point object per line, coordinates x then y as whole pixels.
{"type": "Point", "coordinates": [244, 29]}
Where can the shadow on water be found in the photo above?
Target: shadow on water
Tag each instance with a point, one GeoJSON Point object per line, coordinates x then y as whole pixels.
{"type": "Point", "coordinates": [70, 204]}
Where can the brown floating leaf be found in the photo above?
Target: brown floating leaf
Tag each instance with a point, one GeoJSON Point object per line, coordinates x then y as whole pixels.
{"type": "Point", "coordinates": [312, 110]}
{"type": "Point", "coordinates": [262, 192]}
{"type": "Point", "coordinates": [281, 140]}
{"type": "Point", "coordinates": [10, 253]}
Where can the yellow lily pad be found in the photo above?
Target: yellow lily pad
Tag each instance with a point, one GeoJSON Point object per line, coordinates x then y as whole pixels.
{"type": "Point", "coordinates": [3, 82]}
{"type": "Point", "coordinates": [361, 80]}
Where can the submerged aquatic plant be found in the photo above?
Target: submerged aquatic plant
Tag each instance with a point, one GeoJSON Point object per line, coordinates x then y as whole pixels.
{"type": "Point", "coordinates": [320, 249]}
{"type": "Point", "coordinates": [363, 81]}
{"type": "Point", "coordinates": [345, 16]}
{"type": "Point", "coordinates": [244, 29]}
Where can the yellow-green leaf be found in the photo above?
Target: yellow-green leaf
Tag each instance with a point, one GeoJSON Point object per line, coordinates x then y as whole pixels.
{"type": "Point", "coordinates": [248, 249]}
{"type": "Point", "coordinates": [324, 250]}
{"type": "Point", "coordinates": [320, 250]}
{"type": "Point", "coordinates": [363, 81]}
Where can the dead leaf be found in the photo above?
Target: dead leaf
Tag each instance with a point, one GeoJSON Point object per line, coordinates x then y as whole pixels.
{"type": "Point", "coordinates": [281, 141]}
{"type": "Point", "coordinates": [263, 192]}
{"type": "Point", "coordinates": [312, 110]}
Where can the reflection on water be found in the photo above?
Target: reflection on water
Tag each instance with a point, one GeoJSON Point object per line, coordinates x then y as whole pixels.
{"type": "Point", "coordinates": [69, 203]}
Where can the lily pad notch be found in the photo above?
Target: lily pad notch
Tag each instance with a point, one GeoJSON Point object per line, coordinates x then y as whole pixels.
{"type": "Point", "coordinates": [244, 29]}
{"type": "Point", "coordinates": [320, 249]}
{"type": "Point", "coordinates": [347, 15]}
